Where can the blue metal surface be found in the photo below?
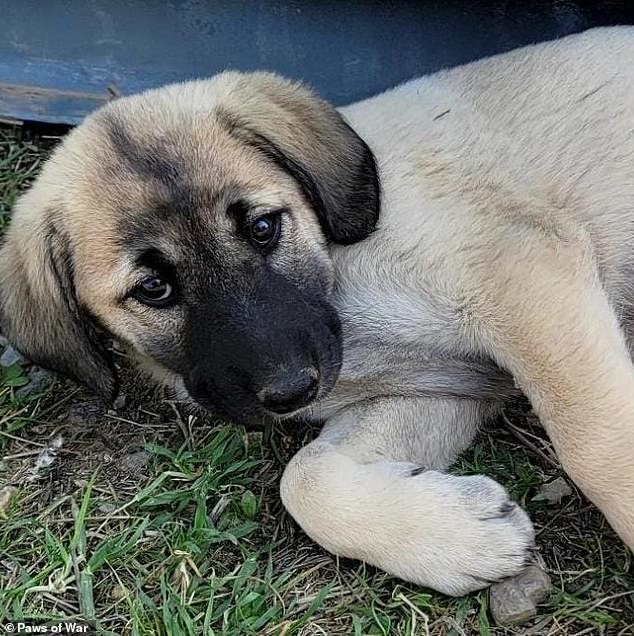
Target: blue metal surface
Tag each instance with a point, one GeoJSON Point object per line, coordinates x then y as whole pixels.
{"type": "Point", "coordinates": [61, 58]}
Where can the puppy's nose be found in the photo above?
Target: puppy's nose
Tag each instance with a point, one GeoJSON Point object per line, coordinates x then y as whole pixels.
{"type": "Point", "coordinates": [290, 392]}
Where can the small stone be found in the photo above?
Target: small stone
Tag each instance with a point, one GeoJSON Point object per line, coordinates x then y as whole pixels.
{"type": "Point", "coordinates": [11, 356]}
{"type": "Point", "coordinates": [119, 402]}
{"type": "Point", "coordinates": [46, 458]}
{"type": "Point", "coordinates": [6, 495]}
{"type": "Point", "coordinates": [3, 341]}
{"type": "Point", "coordinates": [134, 462]}
{"type": "Point", "coordinates": [39, 379]}
{"type": "Point", "coordinates": [554, 491]}
{"type": "Point", "coordinates": [514, 600]}
{"type": "Point", "coordinates": [106, 508]}
{"type": "Point", "coordinates": [85, 413]}
{"type": "Point", "coordinates": [118, 592]}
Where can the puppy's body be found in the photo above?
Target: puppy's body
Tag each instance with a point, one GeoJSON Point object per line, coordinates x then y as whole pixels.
{"type": "Point", "coordinates": [537, 139]}
{"type": "Point", "coordinates": [501, 261]}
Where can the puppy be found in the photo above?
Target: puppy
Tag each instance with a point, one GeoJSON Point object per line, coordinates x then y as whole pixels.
{"type": "Point", "coordinates": [396, 269]}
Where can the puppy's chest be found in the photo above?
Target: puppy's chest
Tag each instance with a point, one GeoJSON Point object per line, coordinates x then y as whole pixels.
{"type": "Point", "coordinates": [396, 341]}
{"type": "Point", "coordinates": [388, 319]}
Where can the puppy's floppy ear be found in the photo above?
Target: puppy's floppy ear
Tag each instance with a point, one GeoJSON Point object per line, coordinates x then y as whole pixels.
{"type": "Point", "coordinates": [39, 312]}
{"type": "Point", "coordinates": [309, 139]}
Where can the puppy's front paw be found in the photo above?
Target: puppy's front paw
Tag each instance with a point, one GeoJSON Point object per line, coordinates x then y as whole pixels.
{"type": "Point", "coordinates": [498, 535]}
{"type": "Point", "coordinates": [476, 537]}
{"type": "Point", "coordinates": [453, 534]}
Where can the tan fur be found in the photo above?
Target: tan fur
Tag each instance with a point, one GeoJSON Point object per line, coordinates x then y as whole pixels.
{"type": "Point", "coordinates": [505, 234]}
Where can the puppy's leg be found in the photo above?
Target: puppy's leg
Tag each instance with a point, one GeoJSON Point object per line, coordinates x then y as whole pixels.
{"type": "Point", "coordinates": [545, 317]}
{"type": "Point", "coordinates": [364, 489]}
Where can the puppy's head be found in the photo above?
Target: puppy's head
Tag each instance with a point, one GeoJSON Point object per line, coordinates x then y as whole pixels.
{"type": "Point", "coordinates": [192, 224]}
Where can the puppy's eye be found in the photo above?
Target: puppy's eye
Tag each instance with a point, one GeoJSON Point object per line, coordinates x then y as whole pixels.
{"type": "Point", "coordinates": [264, 231]}
{"type": "Point", "coordinates": [155, 292]}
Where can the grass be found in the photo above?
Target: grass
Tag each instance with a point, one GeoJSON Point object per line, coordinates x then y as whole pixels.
{"type": "Point", "coordinates": [151, 521]}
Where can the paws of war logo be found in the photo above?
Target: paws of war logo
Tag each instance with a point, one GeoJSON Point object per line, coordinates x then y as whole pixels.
{"type": "Point", "coordinates": [63, 627]}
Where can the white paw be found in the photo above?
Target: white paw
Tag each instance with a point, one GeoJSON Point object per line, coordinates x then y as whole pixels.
{"type": "Point", "coordinates": [479, 536]}
{"type": "Point", "coordinates": [453, 534]}
{"type": "Point", "coordinates": [500, 535]}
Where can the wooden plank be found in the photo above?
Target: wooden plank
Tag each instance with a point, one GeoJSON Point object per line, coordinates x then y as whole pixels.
{"type": "Point", "coordinates": [60, 59]}
{"type": "Point", "coordinates": [19, 102]}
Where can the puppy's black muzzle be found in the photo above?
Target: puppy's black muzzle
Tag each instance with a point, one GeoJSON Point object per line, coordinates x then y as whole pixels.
{"type": "Point", "coordinates": [271, 350]}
